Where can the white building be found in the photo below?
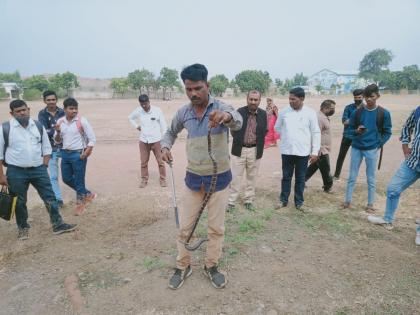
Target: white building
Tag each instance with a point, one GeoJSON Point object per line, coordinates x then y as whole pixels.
{"type": "Point", "coordinates": [339, 82]}
{"type": "Point", "coordinates": [12, 89]}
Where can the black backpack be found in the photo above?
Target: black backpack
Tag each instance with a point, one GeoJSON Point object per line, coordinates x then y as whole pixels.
{"type": "Point", "coordinates": [6, 131]}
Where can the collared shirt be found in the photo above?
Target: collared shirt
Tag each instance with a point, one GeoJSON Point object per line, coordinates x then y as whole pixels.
{"type": "Point", "coordinates": [152, 123]}
{"type": "Point", "coordinates": [72, 137]}
{"type": "Point", "coordinates": [26, 148]}
{"type": "Point", "coordinates": [324, 126]}
{"type": "Point", "coordinates": [199, 162]}
{"type": "Point", "coordinates": [299, 129]}
{"type": "Point", "coordinates": [250, 136]}
{"type": "Point", "coordinates": [49, 121]}
{"type": "Point", "coordinates": [411, 132]}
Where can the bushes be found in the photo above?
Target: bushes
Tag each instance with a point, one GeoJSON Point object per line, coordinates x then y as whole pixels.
{"type": "Point", "coordinates": [32, 95]}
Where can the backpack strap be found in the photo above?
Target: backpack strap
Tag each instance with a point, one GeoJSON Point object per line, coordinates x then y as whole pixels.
{"type": "Point", "coordinates": [380, 119]}
{"type": "Point", "coordinates": [6, 131]}
{"type": "Point", "coordinates": [358, 117]}
{"type": "Point", "coordinates": [40, 128]}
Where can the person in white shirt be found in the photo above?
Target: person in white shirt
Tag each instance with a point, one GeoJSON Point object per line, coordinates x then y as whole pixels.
{"type": "Point", "coordinates": [78, 139]}
{"type": "Point", "coordinates": [300, 142]}
{"type": "Point", "coordinates": [149, 120]}
{"type": "Point", "coordinates": [26, 150]}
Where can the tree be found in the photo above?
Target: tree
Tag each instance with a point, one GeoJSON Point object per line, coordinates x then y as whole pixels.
{"type": "Point", "coordinates": [119, 85]}
{"type": "Point", "coordinates": [218, 84]}
{"type": "Point", "coordinates": [38, 82]}
{"type": "Point", "coordinates": [168, 79]}
{"type": "Point", "coordinates": [3, 93]}
{"type": "Point", "coordinates": [299, 80]}
{"type": "Point", "coordinates": [410, 77]}
{"type": "Point", "coordinates": [136, 80]}
{"type": "Point", "coordinates": [65, 81]}
{"type": "Point", "coordinates": [373, 63]}
{"type": "Point", "coordinates": [319, 88]}
{"type": "Point", "coordinates": [11, 77]}
{"type": "Point", "coordinates": [248, 80]}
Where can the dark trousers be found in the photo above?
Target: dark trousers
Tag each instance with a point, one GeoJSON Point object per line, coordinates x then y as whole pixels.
{"type": "Point", "coordinates": [145, 149]}
{"type": "Point", "coordinates": [73, 171]}
{"type": "Point", "coordinates": [298, 165]}
{"type": "Point", "coordinates": [323, 164]}
{"type": "Point", "coordinates": [344, 147]}
{"type": "Point", "coordinates": [19, 180]}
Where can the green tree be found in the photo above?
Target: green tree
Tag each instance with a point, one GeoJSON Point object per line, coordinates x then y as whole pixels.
{"type": "Point", "coordinates": [253, 80]}
{"type": "Point", "coordinates": [218, 84]}
{"type": "Point", "coordinates": [11, 77]}
{"type": "Point", "coordinates": [168, 79]}
{"type": "Point", "coordinates": [3, 93]}
{"type": "Point", "coordinates": [319, 88]}
{"type": "Point", "coordinates": [31, 94]}
{"type": "Point", "coordinates": [410, 77]}
{"type": "Point", "coordinates": [373, 63]}
{"type": "Point", "coordinates": [136, 80]}
{"type": "Point", "coordinates": [119, 85]}
{"type": "Point", "coordinates": [38, 82]}
{"type": "Point", "coordinates": [299, 80]}
{"type": "Point", "coordinates": [65, 81]}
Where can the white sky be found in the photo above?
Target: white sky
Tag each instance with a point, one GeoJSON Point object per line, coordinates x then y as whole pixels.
{"type": "Point", "coordinates": [108, 38]}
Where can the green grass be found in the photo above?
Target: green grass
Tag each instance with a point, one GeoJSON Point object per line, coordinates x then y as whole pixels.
{"type": "Point", "coordinates": [152, 263]}
{"type": "Point", "coordinates": [99, 279]}
{"type": "Point", "coordinates": [333, 222]}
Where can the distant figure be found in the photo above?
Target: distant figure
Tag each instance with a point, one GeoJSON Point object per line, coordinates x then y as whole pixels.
{"type": "Point", "coordinates": [323, 163]}
{"type": "Point", "coordinates": [272, 136]}
{"type": "Point", "coordinates": [300, 143]}
{"type": "Point", "coordinates": [78, 139]}
{"type": "Point", "coordinates": [369, 128]}
{"type": "Point", "coordinates": [48, 118]}
{"type": "Point", "coordinates": [406, 175]}
{"type": "Point", "coordinates": [149, 120]}
{"type": "Point", "coordinates": [346, 140]}
{"type": "Point", "coordinates": [247, 150]}
{"type": "Point", "coordinates": [26, 148]}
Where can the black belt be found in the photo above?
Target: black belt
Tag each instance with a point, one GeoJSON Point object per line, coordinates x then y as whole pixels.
{"type": "Point", "coordinates": [71, 151]}
{"type": "Point", "coordinates": [23, 168]}
{"type": "Point", "coordinates": [249, 145]}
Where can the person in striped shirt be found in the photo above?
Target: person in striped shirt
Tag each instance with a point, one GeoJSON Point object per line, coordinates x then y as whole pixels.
{"type": "Point", "coordinates": [406, 175]}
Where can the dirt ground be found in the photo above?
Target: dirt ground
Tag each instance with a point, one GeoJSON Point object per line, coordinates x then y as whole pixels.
{"type": "Point", "coordinates": [326, 261]}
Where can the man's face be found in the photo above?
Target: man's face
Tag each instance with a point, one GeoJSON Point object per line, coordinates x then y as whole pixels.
{"type": "Point", "coordinates": [295, 102]}
{"type": "Point", "coordinates": [358, 99]}
{"type": "Point", "coordinates": [269, 102]}
{"type": "Point", "coordinates": [197, 92]}
{"type": "Point", "coordinates": [51, 101]}
{"type": "Point", "coordinates": [145, 106]}
{"type": "Point", "coordinates": [371, 99]}
{"type": "Point", "coordinates": [21, 112]}
{"type": "Point", "coordinates": [331, 110]}
{"type": "Point", "coordinates": [253, 101]}
{"type": "Point", "coordinates": [71, 111]}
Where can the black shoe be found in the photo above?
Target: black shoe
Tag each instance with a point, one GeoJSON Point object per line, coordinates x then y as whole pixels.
{"type": "Point", "coordinates": [249, 206]}
{"type": "Point", "coordinates": [281, 205]}
{"type": "Point", "coordinates": [23, 234]}
{"type": "Point", "coordinates": [300, 208]}
{"type": "Point", "coordinates": [177, 280]}
{"type": "Point", "coordinates": [217, 279]}
{"type": "Point", "coordinates": [230, 208]}
{"type": "Point", "coordinates": [64, 228]}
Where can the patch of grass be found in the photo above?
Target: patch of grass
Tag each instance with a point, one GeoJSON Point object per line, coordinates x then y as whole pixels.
{"type": "Point", "coordinates": [250, 224]}
{"type": "Point", "coordinates": [332, 222]}
{"type": "Point", "coordinates": [99, 279]}
{"type": "Point", "coordinates": [268, 214]}
{"type": "Point", "coordinates": [153, 263]}
{"type": "Point", "coordinates": [228, 256]}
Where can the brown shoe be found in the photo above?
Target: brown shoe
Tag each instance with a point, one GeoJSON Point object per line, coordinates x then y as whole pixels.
{"type": "Point", "coordinates": [370, 209]}
{"type": "Point", "coordinates": [143, 184]}
{"type": "Point", "coordinates": [346, 205]}
{"type": "Point", "coordinates": [90, 197]}
{"type": "Point", "coordinates": [163, 183]}
{"type": "Point", "coordinates": [80, 208]}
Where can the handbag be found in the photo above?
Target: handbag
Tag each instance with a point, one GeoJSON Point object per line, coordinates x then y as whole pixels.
{"type": "Point", "coordinates": [7, 204]}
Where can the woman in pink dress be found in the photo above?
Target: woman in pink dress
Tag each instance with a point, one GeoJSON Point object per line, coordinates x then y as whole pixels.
{"type": "Point", "coordinates": [272, 136]}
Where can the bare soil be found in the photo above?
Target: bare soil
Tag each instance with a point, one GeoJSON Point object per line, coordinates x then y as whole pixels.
{"type": "Point", "coordinates": [326, 261]}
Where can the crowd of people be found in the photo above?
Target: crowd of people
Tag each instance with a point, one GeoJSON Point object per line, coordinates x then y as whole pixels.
{"type": "Point", "coordinates": [215, 171]}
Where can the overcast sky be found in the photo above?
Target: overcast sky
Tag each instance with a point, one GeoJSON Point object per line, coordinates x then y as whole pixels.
{"type": "Point", "coordinates": [109, 38]}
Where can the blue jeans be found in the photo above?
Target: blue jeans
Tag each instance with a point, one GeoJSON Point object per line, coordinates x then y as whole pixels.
{"type": "Point", "coordinates": [298, 165]}
{"type": "Point", "coordinates": [356, 159]}
{"type": "Point", "coordinates": [73, 170]}
{"type": "Point", "coordinates": [53, 169]}
{"type": "Point", "coordinates": [19, 180]}
{"type": "Point", "coordinates": [403, 178]}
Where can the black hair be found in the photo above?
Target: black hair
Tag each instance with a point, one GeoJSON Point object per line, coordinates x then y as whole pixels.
{"type": "Point", "coordinates": [143, 98]}
{"type": "Point", "coordinates": [70, 101]}
{"type": "Point", "coordinates": [48, 93]}
{"type": "Point", "coordinates": [358, 92]}
{"type": "Point", "coordinates": [252, 92]}
{"type": "Point", "coordinates": [371, 89]}
{"type": "Point", "coordinates": [327, 104]}
{"type": "Point", "coordinates": [195, 72]}
{"type": "Point", "coordinates": [298, 91]}
{"type": "Point", "coordinates": [16, 103]}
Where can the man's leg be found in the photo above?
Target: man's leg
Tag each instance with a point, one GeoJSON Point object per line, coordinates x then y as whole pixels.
{"type": "Point", "coordinates": [371, 157]}
{"type": "Point", "coordinates": [252, 167]}
{"type": "Point", "coordinates": [355, 161]}
{"type": "Point", "coordinates": [79, 169]}
{"type": "Point", "coordinates": [18, 180]}
{"type": "Point", "coordinates": [301, 166]}
{"type": "Point", "coordinates": [144, 161]}
{"type": "Point", "coordinates": [286, 181]}
{"type": "Point", "coordinates": [238, 168]}
{"type": "Point", "coordinates": [324, 167]}
{"type": "Point", "coordinates": [158, 155]}
{"type": "Point", "coordinates": [403, 178]}
{"type": "Point", "coordinates": [53, 169]}
{"type": "Point", "coordinates": [67, 170]}
{"type": "Point", "coordinates": [310, 171]}
{"type": "Point", "coordinates": [344, 147]}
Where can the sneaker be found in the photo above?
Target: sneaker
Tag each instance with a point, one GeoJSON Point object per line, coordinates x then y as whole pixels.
{"type": "Point", "coordinates": [249, 206]}
{"type": "Point", "coordinates": [346, 205]}
{"type": "Point", "coordinates": [281, 205]}
{"type": "Point", "coordinates": [177, 280]}
{"type": "Point", "coordinates": [23, 234]}
{"type": "Point", "coordinates": [370, 209]}
{"type": "Point", "coordinates": [80, 208]}
{"type": "Point", "coordinates": [143, 184]}
{"type": "Point", "coordinates": [90, 197]}
{"type": "Point", "coordinates": [380, 221]}
{"type": "Point", "coordinates": [417, 239]}
{"type": "Point", "coordinates": [64, 228]}
{"type": "Point", "coordinates": [217, 278]}
{"type": "Point", "coordinates": [300, 208]}
{"type": "Point", "coordinates": [230, 208]}
{"type": "Point", "coordinates": [163, 183]}
{"type": "Point", "coordinates": [329, 191]}
{"type": "Point", "coordinates": [336, 178]}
